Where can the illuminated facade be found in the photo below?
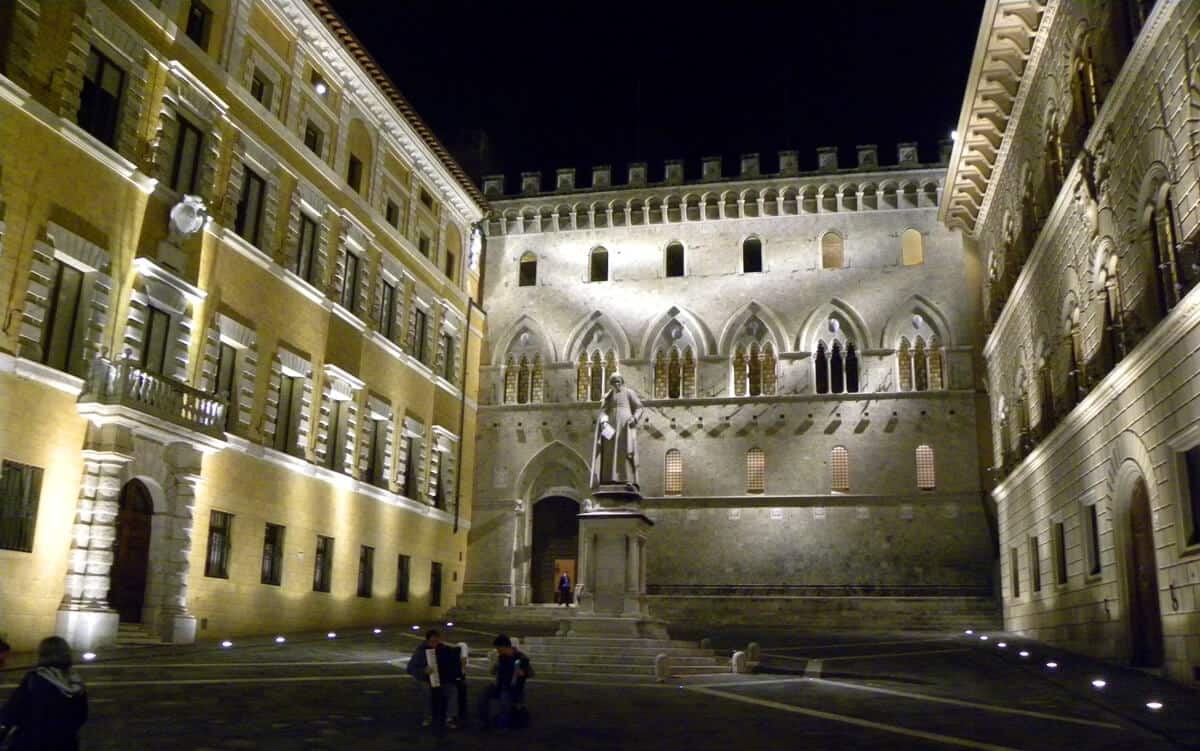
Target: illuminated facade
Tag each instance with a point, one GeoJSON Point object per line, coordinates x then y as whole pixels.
{"type": "Point", "coordinates": [809, 364]}
{"type": "Point", "coordinates": [1075, 180]}
{"type": "Point", "coordinates": [238, 281]}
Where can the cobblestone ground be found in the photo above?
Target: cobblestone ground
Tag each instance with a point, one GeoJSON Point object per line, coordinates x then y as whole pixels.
{"type": "Point", "coordinates": [810, 691]}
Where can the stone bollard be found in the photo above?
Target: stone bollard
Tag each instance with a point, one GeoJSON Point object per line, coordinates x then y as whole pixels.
{"type": "Point", "coordinates": [662, 668]}
{"type": "Point", "coordinates": [737, 663]}
{"type": "Point", "coordinates": [753, 652]}
{"type": "Point", "coordinates": [706, 643]}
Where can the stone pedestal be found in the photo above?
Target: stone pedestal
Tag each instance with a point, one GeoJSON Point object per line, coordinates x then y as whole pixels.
{"type": "Point", "coordinates": [612, 570]}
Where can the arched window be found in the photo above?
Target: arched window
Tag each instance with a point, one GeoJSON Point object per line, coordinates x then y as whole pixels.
{"type": "Point", "coordinates": [836, 367]}
{"type": "Point", "coordinates": [1163, 239]}
{"type": "Point", "coordinates": [673, 473]}
{"type": "Point", "coordinates": [756, 471]}
{"type": "Point", "coordinates": [674, 259]}
{"type": "Point", "coordinates": [912, 248]}
{"type": "Point", "coordinates": [527, 271]}
{"type": "Point", "coordinates": [821, 363]}
{"type": "Point", "coordinates": [833, 252]}
{"type": "Point", "coordinates": [920, 367]}
{"type": "Point", "coordinates": [523, 381]}
{"type": "Point", "coordinates": [839, 470]}
{"type": "Point", "coordinates": [537, 388]}
{"type": "Point", "coordinates": [598, 265]}
{"type": "Point", "coordinates": [904, 366]}
{"type": "Point", "coordinates": [920, 374]}
{"type": "Point", "coordinates": [752, 258]}
{"type": "Point", "coordinates": [592, 373]}
{"type": "Point", "coordinates": [1087, 99]}
{"type": "Point", "coordinates": [674, 373]}
{"type": "Point", "coordinates": [926, 476]}
{"type": "Point", "coordinates": [754, 370]}
{"type": "Point", "coordinates": [510, 382]}
{"type": "Point", "coordinates": [1055, 170]}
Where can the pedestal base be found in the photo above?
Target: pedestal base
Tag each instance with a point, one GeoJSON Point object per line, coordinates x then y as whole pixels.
{"type": "Point", "coordinates": [179, 629]}
{"type": "Point", "coordinates": [612, 627]}
{"type": "Point", "coordinates": [87, 629]}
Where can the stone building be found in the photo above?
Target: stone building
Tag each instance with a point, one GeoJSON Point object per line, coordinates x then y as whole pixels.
{"type": "Point", "coordinates": [239, 287]}
{"type": "Point", "coordinates": [810, 364]}
{"type": "Point", "coordinates": [1076, 178]}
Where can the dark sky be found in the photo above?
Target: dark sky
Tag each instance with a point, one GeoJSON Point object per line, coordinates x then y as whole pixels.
{"type": "Point", "coordinates": [573, 84]}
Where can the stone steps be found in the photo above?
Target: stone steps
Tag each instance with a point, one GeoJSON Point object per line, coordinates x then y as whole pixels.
{"type": "Point", "coordinates": [136, 635]}
{"type": "Point", "coordinates": [613, 653]}
{"type": "Point", "coordinates": [600, 642]}
{"type": "Point", "coordinates": [581, 657]}
{"type": "Point", "coordinates": [543, 658]}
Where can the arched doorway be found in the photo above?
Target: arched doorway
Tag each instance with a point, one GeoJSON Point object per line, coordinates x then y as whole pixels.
{"type": "Point", "coordinates": [555, 545]}
{"type": "Point", "coordinates": [131, 553]}
{"type": "Point", "coordinates": [1141, 582]}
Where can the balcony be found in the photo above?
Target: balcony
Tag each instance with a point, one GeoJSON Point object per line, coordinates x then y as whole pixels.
{"type": "Point", "coordinates": [122, 383]}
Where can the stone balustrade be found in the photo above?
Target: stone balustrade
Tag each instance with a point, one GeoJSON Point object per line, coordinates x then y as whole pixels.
{"type": "Point", "coordinates": [123, 382]}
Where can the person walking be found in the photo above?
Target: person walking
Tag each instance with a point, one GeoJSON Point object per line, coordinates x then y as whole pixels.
{"type": "Point", "coordinates": [50, 705]}
{"type": "Point", "coordinates": [564, 589]}
{"type": "Point", "coordinates": [512, 669]}
{"type": "Point", "coordinates": [451, 683]}
{"type": "Point", "coordinates": [419, 668]}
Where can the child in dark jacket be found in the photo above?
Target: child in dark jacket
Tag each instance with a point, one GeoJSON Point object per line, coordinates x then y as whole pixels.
{"type": "Point", "coordinates": [50, 705]}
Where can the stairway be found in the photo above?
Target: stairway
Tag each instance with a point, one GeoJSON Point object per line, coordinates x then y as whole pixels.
{"type": "Point", "coordinates": [600, 658]}
{"type": "Point", "coordinates": [136, 635]}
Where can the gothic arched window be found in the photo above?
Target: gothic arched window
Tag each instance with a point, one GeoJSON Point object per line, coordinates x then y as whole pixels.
{"type": "Point", "coordinates": [920, 368]}
{"type": "Point", "coordinates": [510, 381]}
{"type": "Point", "coordinates": [673, 473]}
{"type": "Point", "coordinates": [674, 373]}
{"type": "Point", "coordinates": [836, 367]}
{"type": "Point", "coordinates": [912, 248]}
{"type": "Point", "coordinates": [833, 251]}
{"type": "Point", "coordinates": [839, 470]}
{"type": "Point", "coordinates": [523, 381]}
{"type": "Point", "coordinates": [821, 365]}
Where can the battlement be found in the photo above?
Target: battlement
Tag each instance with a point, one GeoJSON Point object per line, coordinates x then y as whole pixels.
{"type": "Point", "coordinates": [712, 170]}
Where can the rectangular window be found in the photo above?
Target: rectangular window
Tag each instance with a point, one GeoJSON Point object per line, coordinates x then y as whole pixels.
{"type": "Point", "coordinates": [185, 169]}
{"type": "Point", "coordinates": [673, 473]}
{"type": "Point", "coordinates": [756, 471]}
{"type": "Point", "coordinates": [260, 88]}
{"type": "Point", "coordinates": [1035, 565]}
{"type": "Point", "coordinates": [199, 24]}
{"type": "Point", "coordinates": [366, 570]}
{"type": "Point", "coordinates": [354, 174]}
{"type": "Point", "coordinates": [416, 340]}
{"type": "Point", "coordinates": [287, 414]}
{"type": "Point", "coordinates": [1091, 525]}
{"type": "Point", "coordinates": [314, 138]}
{"type": "Point", "coordinates": [448, 347]}
{"type": "Point", "coordinates": [451, 265]}
{"type": "Point", "coordinates": [1060, 552]}
{"type": "Point", "coordinates": [839, 470]}
{"type": "Point", "coordinates": [248, 223]}
{"type": "Point", "coordinates": [376, 468]}
{"type": "Point", "coordinates": [60, 345]}
{"type": "Point", "coordinates": [225, 384]}
{"type": "Point", "coordinates": [392, 213]}
{"type": "Point", "coordinates": [387, 309]}
{"type": "Point", "coordinates": [335, 437]}
{"type": "Point", "coordinates": [426, 199]}
{"type": "Point", "coordinates": [349, 294]}
{"type": "Point", "coordinates": [424, 244]}
{"type": "Point", "coordinates": [272, 555]}
{"type": "Point", "coordinates": [20, 489]}
{"type": "Point", "coordinates": [410, 467]}
{"type": "Point", "coordinates": [1191, 463]}
{"type": "Point", "coordinates": [100, 98]}
{"type": "Point", "coordinates": [323, 564]}
{"type": "Point", "coordinates": [306, 250]}
{"type": "Point", "coordinates": [435, 584]}
{"type": "Point", "coordinates": [216, 562]}
{"type": "Point", "coordinates": [156, 340]}
{"type": "Point", "coordinates": [403, 567]}
{"type": "Point", "coordinates": [1014, 573]}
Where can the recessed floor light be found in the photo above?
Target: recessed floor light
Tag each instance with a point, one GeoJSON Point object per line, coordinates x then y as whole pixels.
{"type": "Point", "coordinates": [377, 631]}
{"type": "Point", "coordinates": [227, 644]}
{"type": "Point", "coordinates": [88, 656]}
{"type": "Point", "coordinates": [1002, 645]}
{"type": "Point", "coordinates": [1023, 653]}
{"type": "Point", "coordinates": [969, 632]}
{"type": "Point", "coordinates": [279, 640]}
{"type": "Point", "coordinates": [1052, 665]}
{"type": "Point", "coordinates": [983, 638]}
{"type": "Point", "coordinates": [1099, 683]}
{"type": "Point", "coordinates": [331, 635]}
{"type": "Point", "coordinates": [1154, 705]}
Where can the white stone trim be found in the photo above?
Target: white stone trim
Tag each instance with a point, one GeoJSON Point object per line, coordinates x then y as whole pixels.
{"type": "Point", "coordinates": [43, 374]}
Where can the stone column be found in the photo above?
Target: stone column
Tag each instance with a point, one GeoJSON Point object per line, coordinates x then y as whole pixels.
{"type": "Point", "coordinates": [176, 623]}
{"type": "Point", "coordinates": [84, 617]}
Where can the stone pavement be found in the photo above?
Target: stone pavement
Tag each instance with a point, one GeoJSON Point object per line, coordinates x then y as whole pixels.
{"type": "Point", "coordinates": [811, 691]}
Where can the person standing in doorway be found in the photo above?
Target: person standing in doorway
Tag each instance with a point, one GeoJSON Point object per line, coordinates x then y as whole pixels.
{"type": "Point", "coordinates": [50, 705]}
{"type": "Point", "coordinates": [564, 589]}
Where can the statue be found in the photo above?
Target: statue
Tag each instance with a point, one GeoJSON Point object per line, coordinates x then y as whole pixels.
{"type": "Point", "coordinates": [187, 217]}
{"type": "Point", "coordinates": [614, 450]}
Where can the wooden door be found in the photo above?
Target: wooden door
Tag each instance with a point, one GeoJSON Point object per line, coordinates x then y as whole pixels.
{"type": "Point", "coordinates": [131, 557]}
{"type": "Point", "coordinates": [1145, 618]}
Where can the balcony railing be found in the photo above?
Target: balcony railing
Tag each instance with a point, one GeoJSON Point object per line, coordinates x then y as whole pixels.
{"type": "Point", "coordinates": [124, 383]}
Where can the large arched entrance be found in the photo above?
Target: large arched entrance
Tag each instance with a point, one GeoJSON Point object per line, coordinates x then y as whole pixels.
{"type": "Point", "coordinates": [1141, 582]}
{"type": "Point", "coordinates": [555, 545]}
{"type": "Point", "coordinates": [131, 553]}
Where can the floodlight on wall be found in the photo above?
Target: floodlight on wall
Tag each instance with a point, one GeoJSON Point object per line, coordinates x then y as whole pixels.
{"type": "Point", "coordinates": [416, 628]}
{"type": "Point", "coordinates": [449, 624]}
{"type": "Point", "coordinates": [954, 135]}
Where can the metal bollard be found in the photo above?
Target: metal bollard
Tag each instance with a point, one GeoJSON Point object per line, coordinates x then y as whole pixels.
{"type": "Point", "coordinates": [737, 663]}
{"type": "Point", "coordinates": [662, 668]}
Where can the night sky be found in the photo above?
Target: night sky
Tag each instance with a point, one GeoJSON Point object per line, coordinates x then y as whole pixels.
{"type": "Point", "coordinates": [573, 84]}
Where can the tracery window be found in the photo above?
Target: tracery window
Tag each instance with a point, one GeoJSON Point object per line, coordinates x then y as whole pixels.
{"type": "Point", "coordinates": [836, 367]}
{"type": "Point", "coordinates": [523, 380]}
{"type": "Point", "coordinates": [592, 373]}
{"type": "Point", "coordinates": [754, 370]}
{"type": "Point", "coordinates": [920, 368]}
{"type": "Point", "coordinates": [674, 373]}
{"type": "Point", "coordinates": [673, 473]}
{"type": "Point", "coordinates": [839, 470]}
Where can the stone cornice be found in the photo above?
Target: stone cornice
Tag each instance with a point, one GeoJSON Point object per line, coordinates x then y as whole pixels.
{"type": "Point", "coordinates": [736, 401]}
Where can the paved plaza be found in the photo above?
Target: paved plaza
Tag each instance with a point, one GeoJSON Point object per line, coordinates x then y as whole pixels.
{"type": "Point", "coordinates": [810, 691]}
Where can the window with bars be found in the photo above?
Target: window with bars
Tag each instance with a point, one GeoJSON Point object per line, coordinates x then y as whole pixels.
{"type": "Point", "coordinates": [673, 473]}
{"type": "Point", "coordinates": [403, 573]}
{"type": "Point", "coordinates": [323, 564]}
{"type": "Point", "coordinates": [20, 491]}
{"type": "Point", "coordinates": [756, 471]}
{"type": "Point", "coordinates": [839, 470]}
{"type": "Point", "coordinates": [272, 555]}
{"type": "Point", "coordinates": [366, 570]}
{"type": "Point", "coordinates": [220, 542]}
{"type": "Point", "coordinates": [926, 474]}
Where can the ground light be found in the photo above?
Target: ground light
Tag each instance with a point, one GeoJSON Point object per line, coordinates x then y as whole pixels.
{"type": "Point", "coordinates": [377, 631]}
{"type": "Point", "coordinates": [331, 635]}
{"type": "Point", "coordinates": [416, 628]}
{"type": "Point", "coordinates": [279, 640]}
{"type": "Point", "coordinates": [969, 632]}
{"type": "Point", "coordinates": [983, 638]}
{"type": "Point", "coordinates": [1002, 645]}
{"type": "Point", "coordinates": [1154, 705]}
{"type": "Point", "coordinates": [1052, 665]}
{"type": "Point", "coordinates": [449, 624]}
{"type": "Point", "coordinates": [226, 644]}
{"type": "Point", "coordinates": [88, 656]}
{"type": "Point", "coordinates": [1099, 683]}
{"type": "Point", "coordinates": [1023, 653]}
